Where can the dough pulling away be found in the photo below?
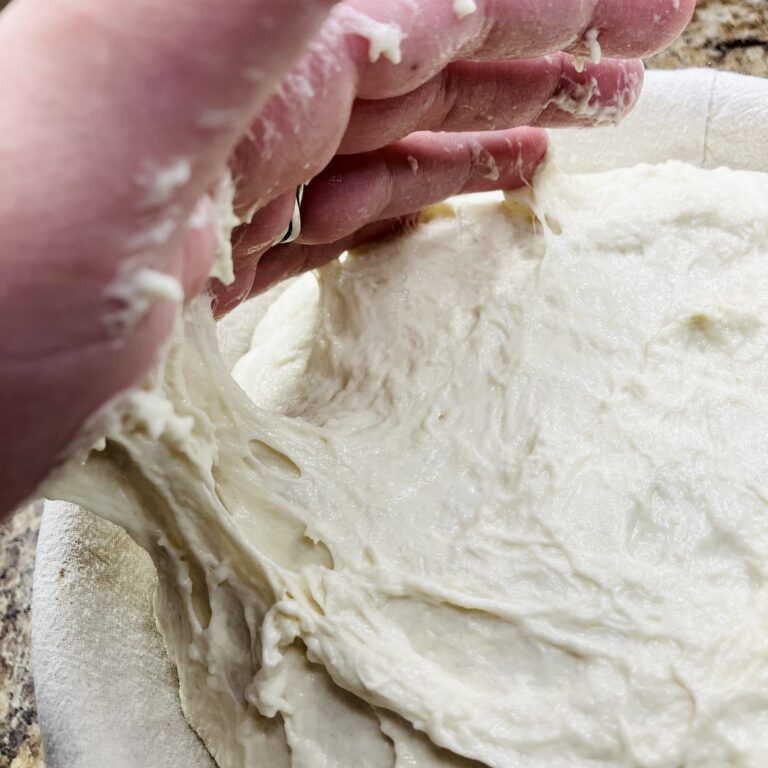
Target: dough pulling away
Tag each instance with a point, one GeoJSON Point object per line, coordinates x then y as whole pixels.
{"type": "Point", "coordinates": [498, 497]}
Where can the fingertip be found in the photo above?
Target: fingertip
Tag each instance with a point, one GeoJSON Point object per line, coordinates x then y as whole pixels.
{"type": "Point", "coordinates": [537, 143]}
{"type": "Point", "coordinates": [522, 153]}
{"type": "Point", "coordinates": [667, 23]}
{"type": "Point", "coordinates": [597, 94]}
{"type": "Point", "coordinates": [506, 159]}
{"type": "Point", "coordinates": [224, 298]}
{"type": "Point", "coordinates": [632, 29]}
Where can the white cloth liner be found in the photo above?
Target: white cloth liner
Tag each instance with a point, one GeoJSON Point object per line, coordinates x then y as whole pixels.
{"type": "Point", "coordinates": [107, 694]}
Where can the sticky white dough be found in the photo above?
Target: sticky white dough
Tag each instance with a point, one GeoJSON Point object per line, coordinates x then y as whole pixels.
{"type": "Point", "coordinates": [498, 498]}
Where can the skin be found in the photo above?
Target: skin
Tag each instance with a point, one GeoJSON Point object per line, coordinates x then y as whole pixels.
{"type": "Point", "coordinates": [101, 96]}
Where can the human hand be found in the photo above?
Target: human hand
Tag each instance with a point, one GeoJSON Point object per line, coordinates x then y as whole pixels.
{"type": "Point", "coordinates": [380, 141]}
{"type": "Point", "coordinates": [119, 119]}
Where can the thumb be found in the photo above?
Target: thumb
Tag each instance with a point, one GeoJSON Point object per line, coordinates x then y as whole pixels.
{"type": "Point", "coordinates": [117, 117]}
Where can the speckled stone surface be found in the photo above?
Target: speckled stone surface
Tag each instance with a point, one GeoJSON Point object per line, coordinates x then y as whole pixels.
{"type": "Point", "coordinates": [726, 34]}
{"type": "Point", "coordinates": [20, 741]}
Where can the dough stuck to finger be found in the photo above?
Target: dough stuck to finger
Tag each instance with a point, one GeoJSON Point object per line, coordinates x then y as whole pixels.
{"type": "Point", "coordinates": [494, 496]}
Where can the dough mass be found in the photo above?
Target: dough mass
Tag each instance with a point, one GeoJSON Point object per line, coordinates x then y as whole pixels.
{"type": "Point", "coordinates": [500, 496]}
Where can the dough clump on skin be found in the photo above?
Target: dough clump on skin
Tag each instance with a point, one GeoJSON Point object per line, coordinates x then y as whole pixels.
{"type": "Point", "coordinates": [498, 496]}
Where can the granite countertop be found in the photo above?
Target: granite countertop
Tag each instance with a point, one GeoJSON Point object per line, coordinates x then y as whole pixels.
{"type": "Point", "coordinates": [727, 34]}
{"type": "Point", "coordinates": [20, 741]}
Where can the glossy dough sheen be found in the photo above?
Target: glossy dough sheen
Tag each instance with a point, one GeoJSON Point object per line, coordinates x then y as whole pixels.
{"type": "Point", "coordinates": [505, 502]}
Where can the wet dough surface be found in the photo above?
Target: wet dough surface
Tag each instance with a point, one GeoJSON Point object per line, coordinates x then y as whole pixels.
{"type": "Point", "coordinates": [498, 495]}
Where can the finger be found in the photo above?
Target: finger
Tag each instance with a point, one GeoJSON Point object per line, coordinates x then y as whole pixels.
{"type": "Point", "coordinates": [431, 33]}
{"type": "Point", "coordinates": [469, 96]}
{"type": "Point", "coordinates": [301, 127]}
{"type": "Point", "coordinates": [249, 242]}
{"type": "Point", "coordinates": [261, 230]}
{"type": "Point", "coordinates": [129, 123]}
{"type": "Point", "coordinates": [356, 190]}
{"type": "Point", "coordinates": [286, 261]}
